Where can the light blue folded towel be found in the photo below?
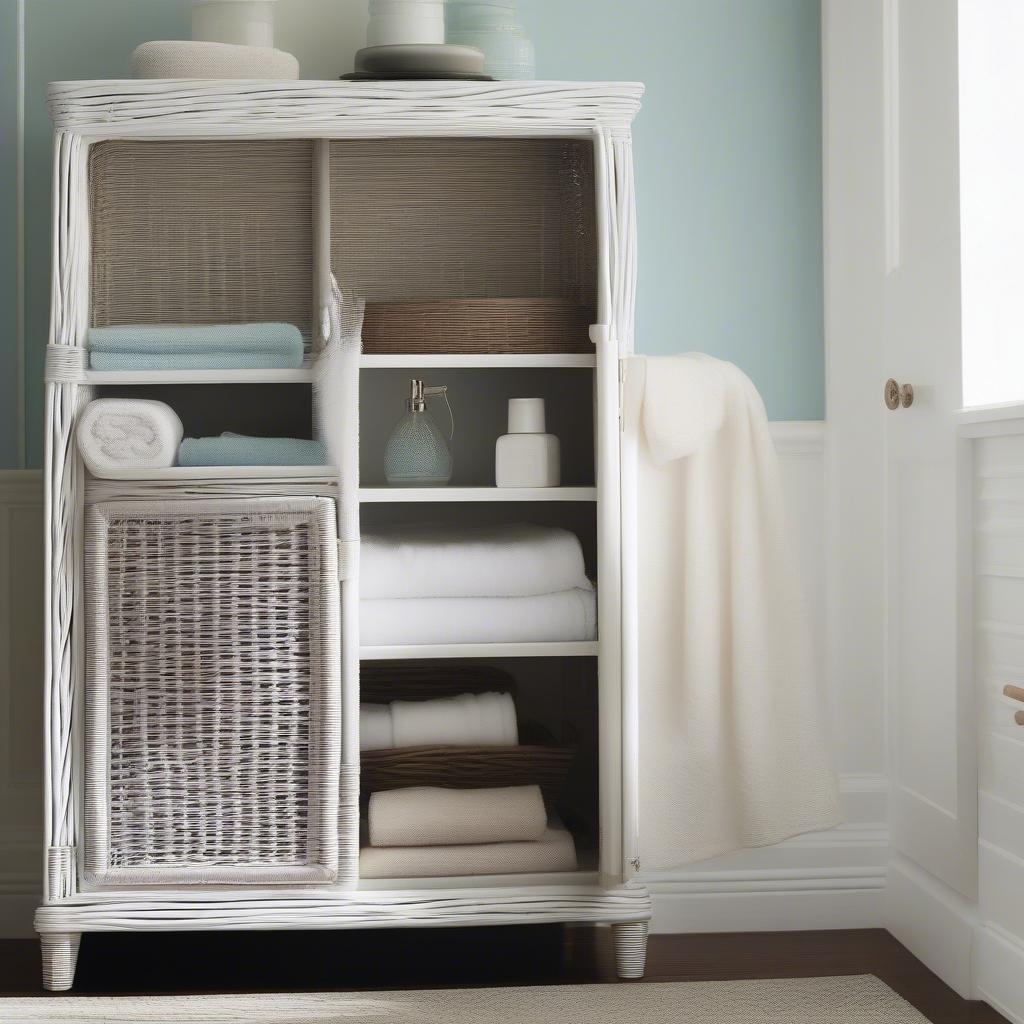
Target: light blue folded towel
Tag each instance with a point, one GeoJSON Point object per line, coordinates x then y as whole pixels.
{"type": "Point", "coordinates": [240, 450]}
{"type": "Point", "coordinates": [195, 347]}
{"type": "Point", "coordinates": [195, 361]}
{"type": "Point", "coordinates": [178, 338]}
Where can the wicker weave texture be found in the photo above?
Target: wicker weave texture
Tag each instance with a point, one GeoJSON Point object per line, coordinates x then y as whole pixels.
{"type": "Point", "coordinates": [466, 767]}
{"type": "Point", "coordinates": [213, 714]}
{"type": "Point", "coordinates": [424, 218]}
{"type": "Point", "coordinates": [478, 325]}
{"type": "Point", "coordinates": [202, 232]}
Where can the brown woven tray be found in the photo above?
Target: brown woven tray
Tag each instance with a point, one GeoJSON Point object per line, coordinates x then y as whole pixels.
{"type": "Point", "coordinates": [498, 326]}
{"type": "Point", "coordinates": [466, 767]}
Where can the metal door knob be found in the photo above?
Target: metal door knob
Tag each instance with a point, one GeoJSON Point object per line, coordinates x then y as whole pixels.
{"type": "Point", "coordinates": [897, 394]}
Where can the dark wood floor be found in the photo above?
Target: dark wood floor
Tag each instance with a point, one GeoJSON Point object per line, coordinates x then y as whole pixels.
{"type": "Point", "coordinates": [335, 961]}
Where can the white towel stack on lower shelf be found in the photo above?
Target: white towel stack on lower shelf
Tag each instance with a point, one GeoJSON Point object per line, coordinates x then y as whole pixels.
{"type": "Point", "coordinates": [424, 832]}
{"type": "Point", "coordinates": [430, 831]}
{"type": "Point", "coordinates": [512, 583]}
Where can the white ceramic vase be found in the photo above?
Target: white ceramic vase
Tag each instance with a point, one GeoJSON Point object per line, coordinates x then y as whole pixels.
{"type": "Point", "coordinates": [239, 22]}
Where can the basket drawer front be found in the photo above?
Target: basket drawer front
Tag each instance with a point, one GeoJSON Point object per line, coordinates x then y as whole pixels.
{"type": "Point", "coordinates": [213, 705]}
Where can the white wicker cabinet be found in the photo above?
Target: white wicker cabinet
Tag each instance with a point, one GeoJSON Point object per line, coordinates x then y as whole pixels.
{"type": "Point", "coordinates": [119, 764]}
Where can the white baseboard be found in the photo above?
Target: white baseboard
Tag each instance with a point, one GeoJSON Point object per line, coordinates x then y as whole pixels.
{"type": "Point", "coordinates": [999, 972]}
{"type": "Point", "coordinates": [833, 879]}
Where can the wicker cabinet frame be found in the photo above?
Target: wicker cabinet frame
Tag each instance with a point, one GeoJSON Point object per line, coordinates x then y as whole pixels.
{"type": "Point", "coordinates": [85, 113]}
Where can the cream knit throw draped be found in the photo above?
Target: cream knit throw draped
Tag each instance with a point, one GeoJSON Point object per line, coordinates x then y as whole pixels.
{"type": "Point", "coordinates": [734, 747]}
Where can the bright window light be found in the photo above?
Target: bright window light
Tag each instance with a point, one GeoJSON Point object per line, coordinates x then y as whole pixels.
{"type": "Point", "coordinates": [992, 199]}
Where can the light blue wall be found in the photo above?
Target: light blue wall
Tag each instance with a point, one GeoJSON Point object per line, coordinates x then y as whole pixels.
{"type": "Point", "coordinates": [728, 154]}
{"type": "Point", "coordinates": [728, 174]}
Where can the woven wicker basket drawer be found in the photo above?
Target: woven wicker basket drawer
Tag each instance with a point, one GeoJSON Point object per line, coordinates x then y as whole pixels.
{"type": "Point", "coordinates": [213, 704]}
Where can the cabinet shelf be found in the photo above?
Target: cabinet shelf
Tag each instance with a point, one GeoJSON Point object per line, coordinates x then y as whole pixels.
{"type": "Point", "coordinates": [225, 473]}
{"type": "Point", "coordinates": [539, 649]}
{"type": "Point", "coordinates": [303, 375]}
{"type": "Point", "coordinates": [370, 495]}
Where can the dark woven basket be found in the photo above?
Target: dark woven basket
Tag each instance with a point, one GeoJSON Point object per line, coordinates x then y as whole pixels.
{"type": "Point", "coordinates": [499, 326]}
{"type": "Point", "coordinates": [466, 767]}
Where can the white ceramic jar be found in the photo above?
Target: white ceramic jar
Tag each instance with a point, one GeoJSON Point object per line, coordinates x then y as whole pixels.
{"type": "Point", "coordinates": [527, 456]}
{"type": "Point", "coordinates": [405, 22]}
{"type": "Point", "coordinates": [241, 22]}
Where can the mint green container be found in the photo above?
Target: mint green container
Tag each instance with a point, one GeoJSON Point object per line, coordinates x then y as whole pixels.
{"type": "Point", "coordinates": [492, 26]}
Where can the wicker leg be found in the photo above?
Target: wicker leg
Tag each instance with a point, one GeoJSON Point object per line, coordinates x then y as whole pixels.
{"type": "Point", "coordinates": [60, 955]}
{"type": "Point", "coordinates": [630, 948]}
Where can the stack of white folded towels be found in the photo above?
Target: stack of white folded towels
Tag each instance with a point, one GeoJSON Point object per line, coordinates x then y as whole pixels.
{"type": "Point", "coordinates": [430, 832]}
{"type": "Point", "coordinates": [512, 583]}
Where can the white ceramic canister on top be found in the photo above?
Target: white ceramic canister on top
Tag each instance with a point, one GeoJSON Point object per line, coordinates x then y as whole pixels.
{"type": "Point", "coordinates": [240, 22]}
{"type": "Point", "coordinates": [405, 23]}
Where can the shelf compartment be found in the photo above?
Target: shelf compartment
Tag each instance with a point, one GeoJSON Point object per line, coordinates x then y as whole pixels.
{"type": "Point", "coordinates": [430, 652]}
{"type": "Point", "coordinates": [381, 495]}
{"type": "Point", "coordinates": [202, 232]}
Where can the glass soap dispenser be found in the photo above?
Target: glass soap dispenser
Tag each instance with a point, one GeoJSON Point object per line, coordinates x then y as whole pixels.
{"type": "Point", "coordinates": [417, 453]}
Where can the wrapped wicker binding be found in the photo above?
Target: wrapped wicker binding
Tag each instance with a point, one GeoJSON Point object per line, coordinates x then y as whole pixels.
{"type": "Point", "coordinates": [466, 767]}
{"type": "Point", "coordinates": [506, 325]}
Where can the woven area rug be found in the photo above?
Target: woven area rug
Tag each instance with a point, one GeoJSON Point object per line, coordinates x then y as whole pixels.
{"type": "Point", "coordinates": [859, 999]}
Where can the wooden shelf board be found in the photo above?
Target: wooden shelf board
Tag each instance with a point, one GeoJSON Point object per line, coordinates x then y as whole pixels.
{"type": "Point", "coordinates": [424, 652]}
{"type": "Point", "coordinates": [224, 473]}
{"type": "Point", "coordinates": [369, 495]}
{"type": "Point", "coordinates": [138, 377]}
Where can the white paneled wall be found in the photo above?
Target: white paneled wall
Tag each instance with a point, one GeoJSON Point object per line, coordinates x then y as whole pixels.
{"type": "Point", "coordinates": [999, 659]}
{"type": "Point", "coordinates": [21, 697]}
{"type": "Point", "coordinates": [832, 879]}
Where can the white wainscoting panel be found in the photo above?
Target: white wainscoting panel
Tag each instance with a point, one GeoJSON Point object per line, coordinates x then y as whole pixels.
{"type": "Point", "coordinates": [999, 659]}
{"type": "Point", "coordinates": [21, 697]}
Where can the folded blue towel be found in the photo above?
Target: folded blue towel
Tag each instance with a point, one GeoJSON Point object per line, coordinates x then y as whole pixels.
{"type": "Point", "coordinates": [178, 338]}
{"type": "Point", "coordinates": [195, 360]}
{"type": "Point", "coordinates": [195, 347]}
{"type": "Point", "coordinates": [239, 450]}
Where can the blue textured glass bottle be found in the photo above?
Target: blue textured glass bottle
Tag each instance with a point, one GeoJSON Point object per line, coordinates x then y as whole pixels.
{"type": "Point", "coordinates": [417, 453]}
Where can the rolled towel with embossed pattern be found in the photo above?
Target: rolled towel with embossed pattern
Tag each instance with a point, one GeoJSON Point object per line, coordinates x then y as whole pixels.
{"type": "Point", "coordinates": [128, 433]}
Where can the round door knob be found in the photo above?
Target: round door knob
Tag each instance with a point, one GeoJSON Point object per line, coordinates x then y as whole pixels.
{"type": "Point", "coordinates": [897, 394]}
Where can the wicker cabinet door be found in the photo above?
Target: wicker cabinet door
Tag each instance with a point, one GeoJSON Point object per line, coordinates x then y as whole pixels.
{"type": "Point", "coordinates": [212, 691]}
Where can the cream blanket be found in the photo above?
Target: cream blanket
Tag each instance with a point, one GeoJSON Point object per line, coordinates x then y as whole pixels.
{"type": "Point", "coordinates": [735, 749]}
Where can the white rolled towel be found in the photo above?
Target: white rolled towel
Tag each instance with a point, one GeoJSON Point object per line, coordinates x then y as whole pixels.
{"type": "Point", "coordinates": [470, 719]}
{"type": "Point", "coordinates": [433, 816]}
{"type": "Point", "coordinates": [128, 433]}
{"type": "Point", "coordinates": [375, 732]}
{"type": "Point", "coordinates": [435, 560]}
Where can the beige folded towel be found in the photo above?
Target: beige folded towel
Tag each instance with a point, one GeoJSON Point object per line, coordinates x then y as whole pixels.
{"type": "Point", "coordinates": [553, 851]}
{"type": "Point", "coordinates": [431, 816]}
